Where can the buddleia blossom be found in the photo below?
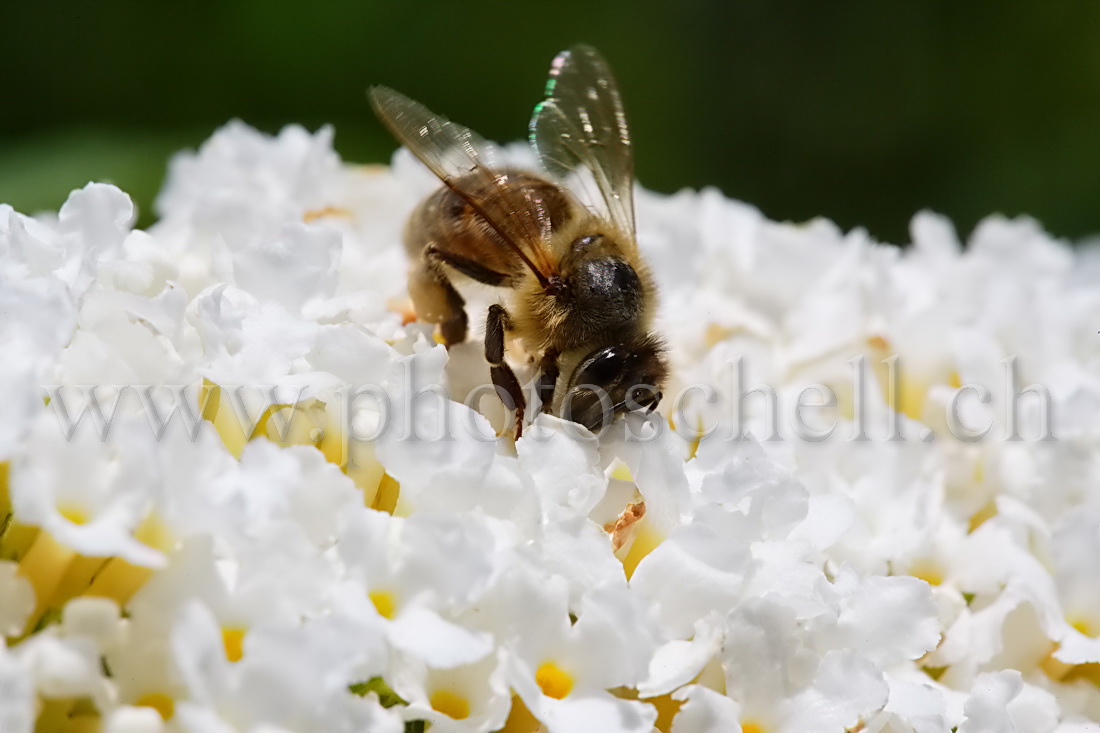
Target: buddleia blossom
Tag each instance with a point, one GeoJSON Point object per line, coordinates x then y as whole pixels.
{"type": "Point", "coordinates": [242, 488]}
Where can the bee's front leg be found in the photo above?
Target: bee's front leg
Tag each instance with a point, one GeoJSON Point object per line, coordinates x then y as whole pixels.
{"type": "Point", "coordinates": [548, 379]}
{"type": "Point", "coordinates": [504, 378]}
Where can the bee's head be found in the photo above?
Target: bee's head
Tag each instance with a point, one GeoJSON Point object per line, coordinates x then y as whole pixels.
{"type": "Point", "coordinates": [613, 380]}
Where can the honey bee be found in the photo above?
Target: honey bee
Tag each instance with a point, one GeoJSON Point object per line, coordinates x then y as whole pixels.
{"type": "Point", "coordinates": [576, 292]}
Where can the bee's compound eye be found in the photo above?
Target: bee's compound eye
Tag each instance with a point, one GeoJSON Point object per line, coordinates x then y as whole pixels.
{"type": "Point", "coordinates": [602, 367]}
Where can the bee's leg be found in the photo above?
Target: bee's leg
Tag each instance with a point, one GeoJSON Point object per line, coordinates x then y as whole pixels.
{"type": "Point", "coordinates": [503, 377]}
{"type": "Point", "coordinates": [437, 301]}
{"type": "Point", "coordinates": [467, 267]}
{"type": "Point", "coordinates": [548, 378]}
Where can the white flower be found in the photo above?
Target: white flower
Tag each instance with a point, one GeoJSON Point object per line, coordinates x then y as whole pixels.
{"type": "Point", "coordinates": [705, 711]}
{"type": "Point", "coordinates": [471, 697]}
{"type": "Point", "coordinates": [17, 693]}
{"type": "Point", "coordinates": [420, 575]}
{"type": "Point", "coordinates": [37, 318]}
{"type": "Point", "coordinates": [87, 493]}
{"type": "Point", "coordinates": [562, 669]}
{"type": "Point", "coordinates": [784, 685]}
{"type": "Point", "coordinates": [1002, 701]}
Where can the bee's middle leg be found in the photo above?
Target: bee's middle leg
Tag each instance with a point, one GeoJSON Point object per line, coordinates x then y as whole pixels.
{"type": "Point", "coordinates": [548, 378]}
{"type": "Point", "coordinates": [496, 324]}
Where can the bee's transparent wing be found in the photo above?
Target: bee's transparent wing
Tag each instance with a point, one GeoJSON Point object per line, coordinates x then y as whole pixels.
{"type": "Point", "coordinates": [581, 122]}
{"type": "Point", "coordinates": [465, 162]}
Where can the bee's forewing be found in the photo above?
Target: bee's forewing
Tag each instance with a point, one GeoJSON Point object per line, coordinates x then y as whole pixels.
{"type": "Point", "coordinates": [468, 165]}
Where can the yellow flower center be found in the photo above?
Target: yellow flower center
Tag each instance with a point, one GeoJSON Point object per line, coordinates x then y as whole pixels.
{"type": "Point", "coordinates": [553, 680]}
{"type": "Point", "coordinates": [716, 334]}
{"type": "Point", "coordinates": [927, 571]}
{"type": "Point", "coordinates": [907, 397]}
{"type": "Point", "coordinates": [904, 391]}
{"type": "Point", "coordinates": [622, 472]}
{"type": "Point", "coordinates": [233, 641]}
{"type": "Point", "coordinates": [646, 540]}
{"type": "Point", "coordinates": [75, 514]}
{"type": "Point", "coordinates": [748, 726]}
{"type": "Point", "coordinates": [450, 704]}
{"type": "Point", "coordinates": [1084, 626]}
{"type": "Point", "coordinates": [160, 702]}
{"type": "Point", "coordinates": [384, 603]}
{"type": "Point", "coordinates": [988, 511]}
{"type": "Point", "coordinates": [694, 448]}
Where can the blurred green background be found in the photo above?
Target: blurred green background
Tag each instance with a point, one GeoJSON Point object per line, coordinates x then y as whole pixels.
{"type": "Point", "coordinates": [865, 112]}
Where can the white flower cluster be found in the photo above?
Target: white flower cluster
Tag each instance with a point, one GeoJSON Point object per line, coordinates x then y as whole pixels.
{"type": "Point", "coordinates": [205, 529]}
